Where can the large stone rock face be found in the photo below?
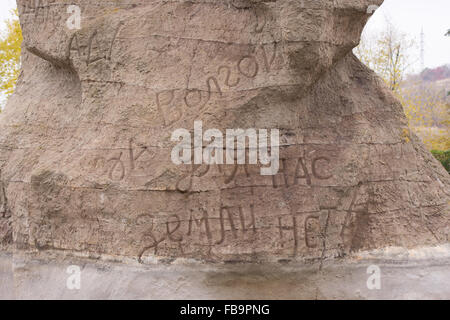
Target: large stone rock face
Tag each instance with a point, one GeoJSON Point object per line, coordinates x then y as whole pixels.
{"type": "Point", "coordinates": [86, 138]}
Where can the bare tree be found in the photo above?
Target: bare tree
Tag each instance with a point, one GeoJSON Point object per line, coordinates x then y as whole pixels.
{"type": "Point", "coordinates": [388, 53]}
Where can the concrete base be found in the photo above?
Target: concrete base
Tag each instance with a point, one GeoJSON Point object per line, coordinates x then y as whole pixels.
{"type": "Point", "coordinates": [422, 273]}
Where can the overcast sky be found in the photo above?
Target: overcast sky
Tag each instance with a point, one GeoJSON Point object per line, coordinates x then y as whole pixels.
{"type": "Point", "coordinates": [408, 15]}
{"type": "Point", "coordinates": [5, 7]}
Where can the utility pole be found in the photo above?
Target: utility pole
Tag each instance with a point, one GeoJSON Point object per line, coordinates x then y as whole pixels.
{"type": "Point", "coordinates": [422, 50]}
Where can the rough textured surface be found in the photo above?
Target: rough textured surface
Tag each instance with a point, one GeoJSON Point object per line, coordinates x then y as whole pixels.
{"type": "Point", "coordinates": [85, 140]}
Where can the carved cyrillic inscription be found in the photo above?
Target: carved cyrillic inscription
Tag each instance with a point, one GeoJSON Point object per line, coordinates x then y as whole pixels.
{"type": "Point", "coordinates": [121, 164]}
{"type": "Point", "coordinates": [91, 48]}
{"type": "Point", "coordinates": [175, 105]}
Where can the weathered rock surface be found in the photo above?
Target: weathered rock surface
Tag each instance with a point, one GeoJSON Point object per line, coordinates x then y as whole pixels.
{"type": "Point", "coordinates": [85, 140]}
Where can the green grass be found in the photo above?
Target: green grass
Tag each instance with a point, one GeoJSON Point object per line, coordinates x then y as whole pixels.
{"type": "Point", "coordinates": [443, 157]}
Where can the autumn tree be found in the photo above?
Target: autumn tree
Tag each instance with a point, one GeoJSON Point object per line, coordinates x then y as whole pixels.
{"type": "Point", "coordinates": [388, 53]}
{"type": "Point", "coordinates": [10, 48]}
{"type": "Point", "coordinates": [428, 113]}
{"type": "Point", "coordinates": [391, 54]}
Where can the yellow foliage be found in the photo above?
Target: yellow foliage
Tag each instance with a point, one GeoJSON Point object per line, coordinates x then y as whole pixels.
{"type": "Point", "coordinates": [406, 135]}
{"type": "Point", "coordinates": [388, 53]}
{"type": "Point", "coordinates": [428, 115]}
{"type": "Point", "coordinates": [434, 138]}
{"type": "Point", "coordinates": [10, 48]}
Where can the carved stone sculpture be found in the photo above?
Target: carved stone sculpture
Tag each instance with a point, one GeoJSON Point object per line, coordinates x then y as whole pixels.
{"type": "Point", "coordinates": [86, 138]}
